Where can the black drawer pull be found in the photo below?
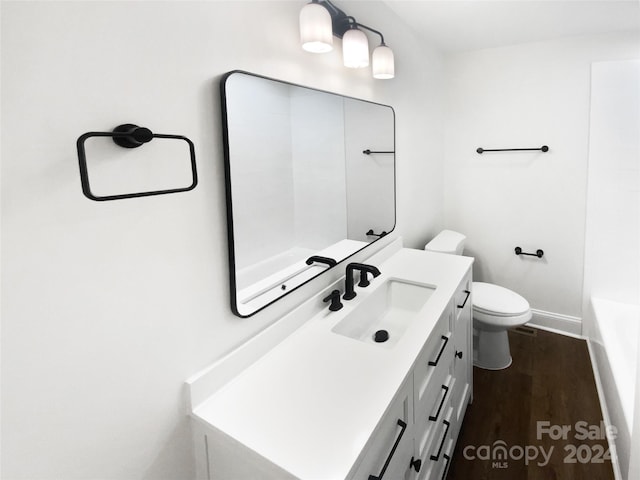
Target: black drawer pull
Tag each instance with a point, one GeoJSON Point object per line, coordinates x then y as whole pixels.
{"type": "Point", "coordinates": [433, 363]}
{"type": "Point", "coordinates": [444, 397]}
{"type": "Point", "coordinates": [465, 300]}
{"type": "Point", "coordinates": [447, 458]}
{"type": "Point", "coordinates": [403, 427]}
{"type": "Point", "coordinates": [444, 438]}
{"type": "Point", "coordinates": [416, 464]}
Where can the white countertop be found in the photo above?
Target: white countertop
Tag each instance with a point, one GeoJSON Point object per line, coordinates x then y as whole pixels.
{"type": "Point", "coordinates": [265, 291]}
{"type": "Point", "coordinates": [313, 401]}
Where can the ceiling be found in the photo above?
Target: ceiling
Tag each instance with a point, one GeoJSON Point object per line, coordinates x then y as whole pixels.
{"type": "Point", "coordinates": [459, 25]}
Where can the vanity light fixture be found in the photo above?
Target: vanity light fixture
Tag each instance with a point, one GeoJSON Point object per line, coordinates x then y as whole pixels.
{"type": "Point", "coordinates": [316, 36]}
{"type": "Point", "coordinates": [355, 48]}
{"type": "Point", "coordinates": [316, 31]}
{"type": "Point", "coordinates": [383, 63]}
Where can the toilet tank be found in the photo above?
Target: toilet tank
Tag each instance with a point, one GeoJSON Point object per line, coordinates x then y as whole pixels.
{"type": "Point", "coordinates": [447, 241]}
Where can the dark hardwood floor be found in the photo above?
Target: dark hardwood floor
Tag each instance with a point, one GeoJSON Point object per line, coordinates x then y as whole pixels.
{"type": "Point", "coordinates": [549, 387]}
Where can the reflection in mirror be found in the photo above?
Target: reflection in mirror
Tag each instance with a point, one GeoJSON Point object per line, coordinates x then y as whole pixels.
{"type": "Point", "coordinates": [299, 183]}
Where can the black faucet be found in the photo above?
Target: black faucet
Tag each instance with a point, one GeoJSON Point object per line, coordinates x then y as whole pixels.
{"type": "Point", "coordinates": [349, 292]}
{"type": "Point", "coordinates": [330, 262]}
{"type": "Point", "coordinates": [334, 297]}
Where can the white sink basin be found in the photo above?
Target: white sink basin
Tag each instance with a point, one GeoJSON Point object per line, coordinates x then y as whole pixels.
{"type": "Point", "coordinates": [392, 307]}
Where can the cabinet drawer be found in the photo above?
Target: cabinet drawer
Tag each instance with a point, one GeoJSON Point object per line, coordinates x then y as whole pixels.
{"type": "Point", "coordinates": [431, 391]}
{"type": "Point", "coordinates": [439, 470]}
{"type": "Point", "coordinates": [446, 460]}
{"type": "Point", "coordinates": [462, 301]}
{"type": "Point", "coordinates": [390, 449]}
{"type": "Point", "coordinates": [432, 366]}
{"type": "Point", "coordinates": [437, 456]}
{"type": "Point", "coordinates": [459, 405]}
{"type": "Point", "coordinates": [428, 426]}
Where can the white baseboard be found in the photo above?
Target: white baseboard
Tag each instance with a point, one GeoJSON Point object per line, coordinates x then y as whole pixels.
{"type": "Point", "coordinates": [617, 472]}
{"type": "Point", "coordinates": [556, 322]}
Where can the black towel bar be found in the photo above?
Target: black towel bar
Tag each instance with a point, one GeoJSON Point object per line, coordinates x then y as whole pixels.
{"type": "Point", "coordinates": [543, 148]}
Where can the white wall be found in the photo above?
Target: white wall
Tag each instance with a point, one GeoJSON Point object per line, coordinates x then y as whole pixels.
{"type": "Point", "coordinates": [634, 461]}
{"type": "Point", "coordinates": [370, 178]}
{"type": "Point", "coordinates": [108, 307]}
{"type": "Point", "coordinates": [612, 252]}
{"type": "Point", "coordinates": [517, 97]}
{"type": "Point", "coordinates": [259, 130]}
{"type": "Point", "coordinates": [612, 244]}
{"type": "Point", "coordinates": [320, 207]}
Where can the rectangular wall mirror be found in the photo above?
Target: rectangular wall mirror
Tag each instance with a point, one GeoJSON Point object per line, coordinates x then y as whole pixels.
{"type": "Point", "coordinates": [308, 174]}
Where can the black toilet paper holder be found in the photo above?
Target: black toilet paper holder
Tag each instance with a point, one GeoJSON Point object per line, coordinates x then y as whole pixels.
{"type": "Point", "coordinates": [539, 253]}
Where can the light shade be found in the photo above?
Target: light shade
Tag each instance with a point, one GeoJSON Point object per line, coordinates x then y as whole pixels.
{"type": "Point", "coordinates": [316, 32]}
{"type": "Point", "coordinates": [355, 49]}
{"type": "Point", "coordinates": [382, 62]}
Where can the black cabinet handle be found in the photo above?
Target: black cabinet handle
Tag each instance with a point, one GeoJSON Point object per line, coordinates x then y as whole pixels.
{"type": "Point", "coordinates": [416, 464]}
{"type": "Point", "coordinates": [447, 459]}
{"type": "Point", "coordinates": [403, 427]}
{"type": "Point", "coordinates": [433, 418]}
{"type": "Point", "coordinates": [433, 363]}
{"type": "Point", "coordinates": [465, 300]}
{"type": "Point", "coordinates": [444, 438]}
{"type": "Point", "coordinates": [459, 354]}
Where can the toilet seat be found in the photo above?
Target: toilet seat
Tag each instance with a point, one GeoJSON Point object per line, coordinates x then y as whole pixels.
{"type": "Point", "coordinates": [498, 306]}
{"type": "Point", "coordinates": [499, 301]}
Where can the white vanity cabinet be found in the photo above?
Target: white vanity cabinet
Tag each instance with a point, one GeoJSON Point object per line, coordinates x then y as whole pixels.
{"type": "Point", "coordinates": [321, 405]}
{"type": "Point", "coordinates": [443, 385]}
{"type": "Point", "coordinates": [390, 449]}
{"type": "Point", "coordinates": [462, 367]}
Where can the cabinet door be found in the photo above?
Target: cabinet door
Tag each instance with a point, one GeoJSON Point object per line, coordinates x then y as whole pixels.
{"type": "Point", "coordinates": [461, 367]}
{"type": "Point", "coordinates": [390, 449]}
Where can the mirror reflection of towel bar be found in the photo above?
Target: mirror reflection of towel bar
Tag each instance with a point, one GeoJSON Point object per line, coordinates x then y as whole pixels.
{"type": "Point", "coordinates": [369, 152]}
{"type": "Point", "coordinates": [371, 234]}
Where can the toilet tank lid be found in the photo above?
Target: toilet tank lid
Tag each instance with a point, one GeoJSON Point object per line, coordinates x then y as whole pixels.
{"type": "Point", "coordinates": [447, 241]}
{"type": "Point", "coordinates": [492, 298]}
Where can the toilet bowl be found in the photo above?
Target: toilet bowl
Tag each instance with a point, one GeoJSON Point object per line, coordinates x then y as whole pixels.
{"type": "Point", "coordinates": [495, 309]}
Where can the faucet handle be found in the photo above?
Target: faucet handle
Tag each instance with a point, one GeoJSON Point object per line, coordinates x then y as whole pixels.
{"type": "Point", "coordinates": [334, 298]}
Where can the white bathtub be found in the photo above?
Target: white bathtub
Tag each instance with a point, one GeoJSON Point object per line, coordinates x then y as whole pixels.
{"type": "Point", "coordinates": [613, 329]}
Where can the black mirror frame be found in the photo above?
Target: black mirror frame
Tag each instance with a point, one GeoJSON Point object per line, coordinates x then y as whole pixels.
{"type": "Point", "coordinates": [228, 191]}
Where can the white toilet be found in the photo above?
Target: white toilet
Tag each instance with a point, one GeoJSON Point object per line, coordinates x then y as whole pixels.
{"type": "Point", "coordinates": [495, 309]}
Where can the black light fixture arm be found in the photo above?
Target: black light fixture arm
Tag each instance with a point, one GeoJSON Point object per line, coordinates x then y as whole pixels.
{"type": "Point", "coordinates": [371, 30]}
{"type": "Point", "coordinates": [333, 10]}
{"type": "Point", "coordinates": [342, 22]}
{"type": "Point", "coordinates": [339, 19]}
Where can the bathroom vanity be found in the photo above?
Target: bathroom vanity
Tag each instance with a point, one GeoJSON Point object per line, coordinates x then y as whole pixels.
{"type": "Point", "coordinates": [315, 397]}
